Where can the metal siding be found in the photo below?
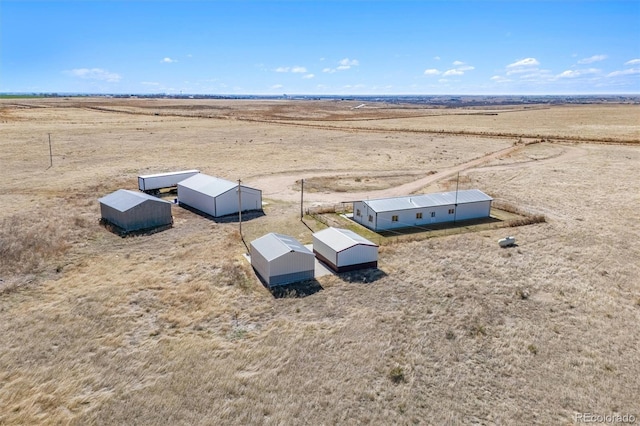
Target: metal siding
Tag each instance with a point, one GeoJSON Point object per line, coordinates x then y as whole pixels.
{"type": "Point", "coordinates": [359, 205]}
{"type": "Point", "coordinates": [357, 254]}
{"type": "Point", "coordinates": [260, 263]}
{"type": "Point", "coordinates": [164, 180]}
{"type": "Point", "coordinates": [324, 250]}
{"type": "Point", "coordinates": [467, 209]}
{"type": "Point", "coordinates": [292, 263]}
{"type": "Point", "coordinates": [291, 278]}
{"type": "Point", "coordinates": [147, 215]}
{"type": "Point", "coordinates": [227, 203]}
{"type": "Point", "coordinates": [473, 211]}
{"type": "Point", "coordinates": [203, 202]}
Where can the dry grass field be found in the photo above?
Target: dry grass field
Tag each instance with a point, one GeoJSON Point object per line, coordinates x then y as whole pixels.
{"type": "Point", "coordinates": [174, 327]}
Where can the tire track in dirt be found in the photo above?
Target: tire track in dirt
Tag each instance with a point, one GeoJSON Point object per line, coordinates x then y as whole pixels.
{"type": "Point", "coordinates": [281, 187]}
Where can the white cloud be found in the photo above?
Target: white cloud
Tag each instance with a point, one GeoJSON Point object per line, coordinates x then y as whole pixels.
{"type": "Point", "coordinates": [309, 76]}
{"type": "Point", "coordinates": [522, 66]}
{"type": "Point", "coordinates": [578, 73]}
{"type": "Point", "coordinates": [295, 69]}
{"type": "Point", "coordinates": [633, 62]}
{"type": "Point", "coordinates": [437, 58]}
{"type": "Point", "coordinates": [453, 72]}
{"type": "Point", "coordinates": [150, 83]}
{"type": "Point", "coordinates": [526, 62]}
{"type": "Point", "coordinates": [343, 65]}
{"type": "Point", "coordinates": [346, 62]}
{"type": "Point", "coordinates": [431, 71]}
{"type": "Point", "coordinates": [168, 61]}
{"type": "Point", "coordinates": [95, 74]}
{"type": "Point", "coordinates": [460, 68]}
{"type": "Point", "coordinates": [277, 86]}
{"type": "Point", "coordinates": [594, 58]}
{"type": "Point", "coordinates": [499, 79]}
{"type": "Point", "coordinates": [629, 71]}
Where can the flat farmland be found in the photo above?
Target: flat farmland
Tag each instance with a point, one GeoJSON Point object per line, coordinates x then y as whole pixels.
{"type": "Point", "coordinates": [174, 327]}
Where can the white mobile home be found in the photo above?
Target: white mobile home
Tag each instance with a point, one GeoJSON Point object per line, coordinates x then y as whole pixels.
{"type": "Point", "coordinates": [163, 180]}
{"type": "Point", "coordinates": [217, 197]}
{"type": "Point", "coordinates": [422, 210]}
{"type": "Point", "coordinates": [280, 259]}
{"type": "Point", "coordinates": [134, 211]}
{"type": "Point", "coordinates": [344, 250]}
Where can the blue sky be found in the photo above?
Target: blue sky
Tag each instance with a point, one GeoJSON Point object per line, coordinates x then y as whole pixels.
{"type": "Point", "coordinates": [320, 47]}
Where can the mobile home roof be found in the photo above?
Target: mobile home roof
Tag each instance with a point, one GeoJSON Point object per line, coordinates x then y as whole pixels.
{"type": "Point", "coordinates": [427, 200]}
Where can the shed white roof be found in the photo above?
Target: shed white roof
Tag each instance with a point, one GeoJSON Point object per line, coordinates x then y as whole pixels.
{"type": "Point", "coordinates": [273, 245]}
{"type": "Point", "coordinates": [208, 185]}
{"type": "Point", "coordinates": [427, 200]}
{"type": "Point", "coordinates": [168, 174]}
{"type": "Point", "coordinates": [124, 199]}
{"type": "Point", "coordinates": [341, 239]}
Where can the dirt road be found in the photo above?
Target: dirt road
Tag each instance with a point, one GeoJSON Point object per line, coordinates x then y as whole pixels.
{"type": "Point", "coordinates": [282, 187]}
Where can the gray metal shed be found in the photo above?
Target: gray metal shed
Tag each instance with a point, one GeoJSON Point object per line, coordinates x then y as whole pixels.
{"type": "Point", "coordinates": [281, 259]}
{"type": "Point", "coordinates": [344, 250]}
{"type": "Point", "coordinates": [135, 211]}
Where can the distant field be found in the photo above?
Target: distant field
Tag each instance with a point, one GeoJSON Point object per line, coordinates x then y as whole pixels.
{"type": "Point", "coordinates": [174, 327]}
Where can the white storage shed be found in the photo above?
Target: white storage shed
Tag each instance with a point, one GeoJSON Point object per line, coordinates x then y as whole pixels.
{"type": "Point", "coordinates": [217, 197]}
{"type": "Point", "coordinates": [163, 180]}
{"type": "Point", "coordinates": [344, 250]}
{"type": "Point", "coordinates": [422, 210]}
{"type": "Point", "coordinates": [135, 211]}
{"type": "Point", "coordinates": [281, 259]}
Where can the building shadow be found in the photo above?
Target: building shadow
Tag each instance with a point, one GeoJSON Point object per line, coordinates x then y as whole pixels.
{"type": "Point", "coordinates": [362, 276]}
{"type": "Point", "coordinates": [294, 290]}
{"type": "Point", "coordinates": [437, 226]}
{"type": "Point", "coordinates": [230, 218]}
{"type": "Point", "coordinates": [121, 232]}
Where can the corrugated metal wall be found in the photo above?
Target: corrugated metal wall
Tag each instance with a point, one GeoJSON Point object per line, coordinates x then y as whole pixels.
{"type": "Point", "coordinates": [146, 215]}
{"type": "Point", "coordinates": [197, 200]}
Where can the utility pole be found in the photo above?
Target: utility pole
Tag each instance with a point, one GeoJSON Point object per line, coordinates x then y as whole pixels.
{"type": "Point", "coordinates": [302, 199]}
{"type": "Point", "coordinates": [50, 152]}
{"type": "Point", "coordinates": [240, 206]}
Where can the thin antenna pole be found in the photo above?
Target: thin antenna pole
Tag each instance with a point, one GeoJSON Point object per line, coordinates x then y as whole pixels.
{"type": "Point", "coordinates": [240, 206]}
{"type": "Point", "coordinates": [50, 152]}
{"type": "Point", "coordinates": [455, 206]}
{"type": "Point", "coordinates": [301, 199]}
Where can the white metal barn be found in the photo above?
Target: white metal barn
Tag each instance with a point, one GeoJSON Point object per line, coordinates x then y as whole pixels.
{"type": "Point", "coordinates": [344, 250]}
{"type": "Point", "coordinates": [422, 210]}
{"type": "Point", "coordinates": [134, 211]}
{"type": "Point", "coordinates": [217, 197]}
{"type": "Point", "coordinates": [163, 180]}
{"type": "Point", "coordinates": [280, 259]}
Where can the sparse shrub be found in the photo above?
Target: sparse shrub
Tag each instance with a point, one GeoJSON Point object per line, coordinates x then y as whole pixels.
{"type": "Point", "coordinates": [477, 330]}
{"type": "Point", "coordinates": [533, 349]}
{"type": "Point", "coordinates": [450, 335]}
{"type": "Point", "coordinates": [397, 375]}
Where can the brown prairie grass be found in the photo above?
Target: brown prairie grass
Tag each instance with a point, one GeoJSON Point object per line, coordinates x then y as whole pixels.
{"type": "Point", "coordinates": [174, 327]}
